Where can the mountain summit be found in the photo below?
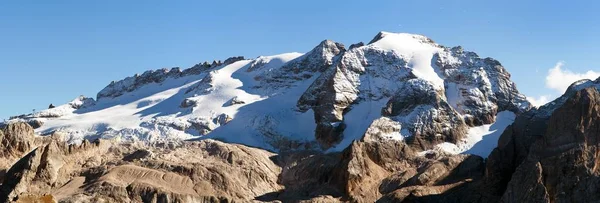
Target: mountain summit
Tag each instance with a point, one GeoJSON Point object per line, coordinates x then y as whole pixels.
{"type": "Point", "coordinates": [399, 86]}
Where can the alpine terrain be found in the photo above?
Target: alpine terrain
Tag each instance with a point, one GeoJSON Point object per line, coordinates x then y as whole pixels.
{"type": "Point", "coordinates": [400, 119]}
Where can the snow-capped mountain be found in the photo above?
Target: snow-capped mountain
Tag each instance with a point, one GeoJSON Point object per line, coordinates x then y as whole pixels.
{"type": "Point", "coordinates": [398, 87]}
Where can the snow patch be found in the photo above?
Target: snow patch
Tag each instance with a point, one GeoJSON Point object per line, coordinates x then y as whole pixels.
{"type": "Point", "coordinates": [417, 50]}
{"type": "Point", "coordinates": [480, 140]}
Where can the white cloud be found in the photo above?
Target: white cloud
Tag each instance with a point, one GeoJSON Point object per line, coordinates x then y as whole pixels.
{"type": "Point", "coordinates": [540, 101]}
{"type": "Point", "coordinates": [560, 79]}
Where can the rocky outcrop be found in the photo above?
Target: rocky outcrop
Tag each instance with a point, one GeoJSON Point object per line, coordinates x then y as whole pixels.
{"type": "Point", "coordinates": [304, 67]}
{"type": "Point", "coordinates": [425, 116]}
{"type": "Point", "coordinates": [35, 123]}
{"type": "Point", "coordinates": [234, 59]}
{"type": "Point", "coordinates": [234, 101]}
{"type": "Point", "coordinates": [562, 166]}
{"type": "Point", "coordinates": [392, 171]}
{"type": "Point", "coordinates": [479, 87]}
{"type": "Point", "coordinates": [16, 139]}
{"type": "Point", "coordinates": [547, 155]}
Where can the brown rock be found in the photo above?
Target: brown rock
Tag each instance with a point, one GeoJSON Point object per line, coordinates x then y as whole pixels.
{"type": "Point", "coordinates": [17, 138]}
{"type": "Point", "coordinates": [562, 166]}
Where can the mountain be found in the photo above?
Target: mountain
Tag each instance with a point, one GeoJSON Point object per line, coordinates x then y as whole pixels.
{"type": "Point", "coordinates": [398, 87]}
{"type": "Point", "coordinates": [400, 119]}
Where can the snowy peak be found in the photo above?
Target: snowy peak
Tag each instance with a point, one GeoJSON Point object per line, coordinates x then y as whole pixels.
{"type": "Point", "coordinates": [417, 50]}
{"type": "Point", "coordinates": [397, 38]}
{"type": "Point", "coordinates": [473, 91]}
{"type": "Point", "coordinates": [400, 87]}
{"type": "Point", "coordinates": [301, 68]}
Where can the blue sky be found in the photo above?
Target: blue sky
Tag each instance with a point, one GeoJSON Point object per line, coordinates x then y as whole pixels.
{"type": "Point", "coordinates": [51, 52]}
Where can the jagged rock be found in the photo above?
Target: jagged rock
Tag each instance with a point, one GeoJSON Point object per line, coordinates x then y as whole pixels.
{"type": "Point", "coordinates": [188, 103]}
{"type": "Point", "coordinates": [129, 84]}
{"type": "Point", "coordinates": [35, 123]}
{"type": "Point", "coordinates": [18, 178]}
{"type": "Point", "coordinates": [222, 119]}
{"type": "Point", "coordinates": [81, 102]}
{"type": "Point", "coordinates": [204, 86]}
{"type": "Point", "coordinates": [234, 59]}
{"type": "Point", "coordinates": [216, 63]}
{"type": "Point", "coordinates": [40, 166]}
{"type": "Point", "coordinates": [16, 139]}
{"type": "Point", "coordinates": [360, 44]}
{"type": "Point", "coordinates": [196, 69]}
{"type": "Point", "coordinates": [234, 101]}
{"type": "Point", "coordinates": [204, 126]}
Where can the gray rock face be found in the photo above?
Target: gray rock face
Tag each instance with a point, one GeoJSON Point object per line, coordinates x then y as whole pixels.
{"type": "Point", "coordinates": [35, 123]}
{"type": "Point", "coordinates": [479, 82]}
{"type": "Point", "coordinates": [234, 59]}
{"type": "Point", "coordinates": [426, 115]}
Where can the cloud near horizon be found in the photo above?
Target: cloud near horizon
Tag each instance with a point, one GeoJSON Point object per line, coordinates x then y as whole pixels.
{"type": "Point", "coordinates": [559, 79]}
{"type": "Point", "coordinates": [539, 101]}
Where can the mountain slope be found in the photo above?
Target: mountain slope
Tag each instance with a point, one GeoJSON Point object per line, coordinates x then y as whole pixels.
{"type": "Point", "coordinates": [398, 87]}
